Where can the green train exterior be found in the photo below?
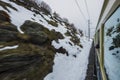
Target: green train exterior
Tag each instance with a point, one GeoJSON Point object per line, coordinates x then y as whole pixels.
{"type": "Point", "coordinates": [107, 36]}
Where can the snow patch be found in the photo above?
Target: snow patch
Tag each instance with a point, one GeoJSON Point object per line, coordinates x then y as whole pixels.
{"type": "Point", "coordinates": [8, 47]}
{"type": "Point", "coordinates": [69, 67]}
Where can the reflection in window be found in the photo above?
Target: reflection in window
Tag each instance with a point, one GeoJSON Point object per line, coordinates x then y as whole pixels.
{"type": "Point", "coordinates": [112, 46]}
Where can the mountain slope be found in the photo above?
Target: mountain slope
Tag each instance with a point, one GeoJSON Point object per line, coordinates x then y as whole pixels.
{"type": "Point", "coordinates": [69, 67]}
{"type": "Point", "coordinates": [31, 37]}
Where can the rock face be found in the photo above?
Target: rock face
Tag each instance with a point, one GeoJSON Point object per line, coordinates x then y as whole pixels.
{"type": "Point", "coordinates": [6, 35]}
{"type": "Point", "coordinates": [28, 61]}
{"type": "Point", "coordinates": [4, 16]}
{"type": "Point", "coordinates": [8, 31]}
{"type": "Point", "coordinates": [33, 59]}
{"type": "Point", "coordinates": [35, 31]}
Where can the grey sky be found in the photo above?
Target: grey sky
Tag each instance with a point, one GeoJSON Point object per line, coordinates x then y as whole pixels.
{"type": "Point", "coordinates": [69, 9]}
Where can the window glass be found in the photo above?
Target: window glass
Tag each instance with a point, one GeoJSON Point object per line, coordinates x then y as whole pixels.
{"type": "Point", "coordinates": [112, 46]}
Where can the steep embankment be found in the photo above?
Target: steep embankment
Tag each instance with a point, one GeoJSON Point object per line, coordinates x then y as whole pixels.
{"type": "Point", "coordinates": [30, 36]}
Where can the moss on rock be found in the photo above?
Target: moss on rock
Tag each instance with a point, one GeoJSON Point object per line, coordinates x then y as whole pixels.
{"type": "Point", "coordinates": [53, 23]}
{"type": "Point", "coordinates": [33, 59]}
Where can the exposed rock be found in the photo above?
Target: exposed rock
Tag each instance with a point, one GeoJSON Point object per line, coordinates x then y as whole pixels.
{"type": "Point", "coordinates": [6, 6]}
{"type": "Point", "coordinates": [38, 33]}
{"type": "Point", "coordinates": [62, 50]}
{"type": "Point", "coordinates": [33, 59]}
{"type": "Point", "coordinates": [4, 16]}
{"type": "Point", "coordinates": [8, 26]}
{"type": "Point", "coordinates": [38, 37]}
{"type": "Point", "coordinates": [8, 31]}
{"type": "Point", "coordinates": [72, 32]}
{"type": "Point", "coordinates": [35, 31]}
{"type": "Point", "coordinates": [53, 23]}
{"type": "Point", "coordinates": [27, 61]}
{"type": "Point", "coordinates": [13, 62]}
{"type": "Point", "coordinates": [29, 26]}
{"type": "Point", "coordinates": [6, 35]}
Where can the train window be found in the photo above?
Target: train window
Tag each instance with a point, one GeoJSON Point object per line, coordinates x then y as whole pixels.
{"type": "Point", "coordinates": [98, 41]}
{"type": "Point", "coordinates": [112, 46]}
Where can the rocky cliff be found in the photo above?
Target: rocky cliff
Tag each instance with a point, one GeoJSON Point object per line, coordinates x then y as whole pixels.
{"type": "Point", "coordinates": [28, 34]}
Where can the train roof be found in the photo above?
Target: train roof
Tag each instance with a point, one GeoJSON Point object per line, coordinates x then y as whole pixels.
{"type": "Point", "coordinates": [109, 6]}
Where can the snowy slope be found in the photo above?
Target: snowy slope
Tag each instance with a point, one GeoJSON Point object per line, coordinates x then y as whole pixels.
{"type": "Point", "coordinates": [72, 67]}
{"type": "Point", "coordinates": [69, 67]}
{"type": "Point", "coordinates": [18, 19]}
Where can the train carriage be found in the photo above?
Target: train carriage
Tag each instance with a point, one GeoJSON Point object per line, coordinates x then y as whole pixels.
{"type": "Point", "coordinates": [107, 37]}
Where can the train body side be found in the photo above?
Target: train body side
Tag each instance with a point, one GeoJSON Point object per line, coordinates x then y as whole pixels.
{"type": "Point", "coordinates": [107, 37]}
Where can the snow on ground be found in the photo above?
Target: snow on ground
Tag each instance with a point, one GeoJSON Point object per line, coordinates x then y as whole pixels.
{"type": "Point", "coordinates": [69, 67]}
{"type": "Point", "coordinates": [72, 49]}
{"type": "Point", "coordinates": [18, 19]}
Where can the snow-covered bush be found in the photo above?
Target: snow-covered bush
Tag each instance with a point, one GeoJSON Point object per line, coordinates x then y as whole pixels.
{"type": "Point", "coordinates": [57, 16]}
{"type": "Point", "coordinates": [45, 6]}
{"type": "Point", "coordinates": [65, 20]}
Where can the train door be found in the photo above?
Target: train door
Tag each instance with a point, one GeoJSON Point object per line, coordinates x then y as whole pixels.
{"type": "Point", "coordinates": [97, 50]}
{"type": "Point", "coordinates": [112, 46]}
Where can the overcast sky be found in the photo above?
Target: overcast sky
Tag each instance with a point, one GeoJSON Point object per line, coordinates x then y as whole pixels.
{"type": "Point", "coordinates": [69, 9]}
